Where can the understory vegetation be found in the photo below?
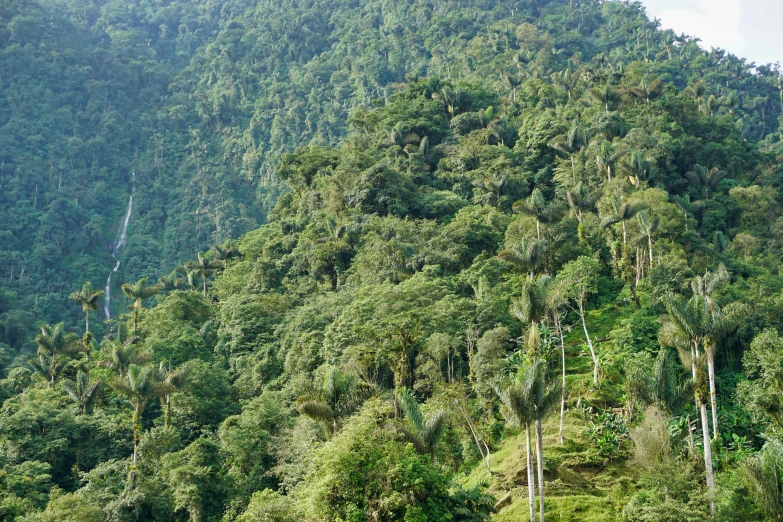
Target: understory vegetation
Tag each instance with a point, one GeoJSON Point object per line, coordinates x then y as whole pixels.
{"type": "Point", "coordinates": [426, 261]}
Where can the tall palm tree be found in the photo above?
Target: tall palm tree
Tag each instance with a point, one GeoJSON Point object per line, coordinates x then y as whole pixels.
{"type": "Point", "coordinates": [83, 391]}
{"type": "Point", "coordinates": [569, 144]}
{"type": "Point", "coordinates": [423, 431]}
{"type": "Point", "coordinates": [176, 379]}
{"type": "Point", "coordinates": [338, 395]}
{"type": "Point", "coordinates": [204, 267]}
{"type": "Point", "coordinates": [88, 298]}
{"type": "Point", "coordinates": [648, 90]}
{"type": "Point", "coordinates": [526, 254]}
{"type": "Point", "coordinates": [140, 385]}
{"type": "Point", "coordinates": [544, 399]}
{"type": "Point", "coordinates": [175, 280]}
{"type": "Point", "coordinates": [606, 157]}
{"type": "Point", "coordinates": [48, 367]}
{"type": "Point", "coordinates": [518, 399]}
{"type": "Point", "coordinates": [638, 168]}
{"type": "Point", "coordinates": [138, 292]}
{"type": "Point", "coordinates": [55, 344]}
{"type": "Point", "coordinates": [687, 328]}
{"type": "Point", "coordinates": [538, 207]}
{"type": "Point", "coordinates": [705, 180]}
{"type": "Point", "coordinates": [123, 354]}
{"type": "Point", "coordinates": [531, 307]}
{"type": "Point", "coordinates": [622, 211]}
{"type": "Point", "coordinates": [648, 225]}
{"type": "Point", "coordinates": [606, 95]}
{"type": "Point", "coordinates": [721, 322]}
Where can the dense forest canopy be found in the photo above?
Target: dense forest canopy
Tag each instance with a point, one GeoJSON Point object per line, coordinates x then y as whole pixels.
{"type": "Point", "coordinates": [423, 260]}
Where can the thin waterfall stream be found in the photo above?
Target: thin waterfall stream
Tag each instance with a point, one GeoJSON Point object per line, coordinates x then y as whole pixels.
{"type": "Point", "coordinates": [119, 243]}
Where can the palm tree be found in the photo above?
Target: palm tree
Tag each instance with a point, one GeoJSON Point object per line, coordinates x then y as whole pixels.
{"type": "Point", "coordinates": [518, 399]}
{"type": "Point", "coordinates": [606, 95]}
{"type": "Point", "coordinates": [176, 379]}
{"type": "Point", "coordinates": [705, 180]}
{"type": "Point", "coordinates": [557, 299]}
{"type": "Point", "coordinates": [48, 367]}
{"type": "Point", "coordinates": [648, 225]}
{"type": "Point", "coordinates": [687, 328]}
{"type": "Point", "coordinates": [339, 395]}
{"type": "Point", "coordinates": [88, 298]}
{"type": "Point", "coordinates": [647, 90]}
{"type": "Point", "coordinates": [606, 157]}
{"type": "Point", "coordinates": [423, 431]}
{"type": "Point", "coordinates": [140, 385]}
{"type": "Point", "coordinates": [138, 292]}
{"type": "Point", "coordinates": [721, 323]}
{"type": "Point", "coordinates": [123, 354]}
{"type": "Point", "coordinates": [531, 307]}
{"type": "Point", "coordinates": [544, 399]}
{"type": "Point", "coordinates": [697, 91]}
{"type": "Point", "coordinates": [639, 169]}
{"type": "Point", "coordinates": [527, 254]}
{"type": "Point", "coordinates": [621, 212]}
{"type": "Point", "coordinates": [569, 144]}
{"type": "Point", "coordinates": [82, 391]}
{"type": "Point", "coordinates": [580, 199]}
{"type": "Point", "coordinates": [765, 470]}
{"type": "Point", "coordinates": [204, 267]}
{"type": "Point", "coordinates": [54, 344]}
{"type": "Point", "coordinates": [175, 280]}
{"type": "Point", "coordinates": [537, 206]}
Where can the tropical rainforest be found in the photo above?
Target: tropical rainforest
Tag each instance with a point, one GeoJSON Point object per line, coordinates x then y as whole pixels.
{"type": "Point", "coordinates": [363, 260]}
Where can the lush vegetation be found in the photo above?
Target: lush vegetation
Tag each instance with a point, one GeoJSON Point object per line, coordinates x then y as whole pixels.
{"type": "Point", "coordinates": [427, 261]}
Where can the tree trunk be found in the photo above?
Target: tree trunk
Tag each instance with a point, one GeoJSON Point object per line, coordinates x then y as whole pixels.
{"type": "Point", "coordinates": [87, 322]}
{"type": "Point", "coordinates": [713, 394]}
{"type": "Point", "coordinates": [708, 457]}
{"type": "Point", "coordinates": [540, 462]}
{"type": "Point", "coordinates": [573, 164]}
{"type": "Point", "coordinates": [589, 342]}
{"type": "Point", "coordinates": [167, 416]}
{"type": "Point", "coordinates": [563, 390]}
{"type": "Point", "coordinates": [531, 481]}
{"type": "Point", "coordinates": [484, 457]}
{"type": "Point", "coordinates": [649, 245]}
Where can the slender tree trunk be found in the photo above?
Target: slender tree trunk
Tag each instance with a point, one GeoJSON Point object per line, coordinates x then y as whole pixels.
{"type": "Point", "coordinates": [713, 394]}
{"type": "Point", "coordinates": [167, 416]}
{"type": "Point", "coordinates": [540, 462]}
{"type": "Point", "coordinates": [649, 245]}
{"type": "Point", "coordinates": [538, 229]}
{"type": "Point", "coordinates": [589, 342]}
{"type": "Point", "coordinates": [708, 457]}
{"type": "Point", "coordinates": [484, 457]}
{"type": "Point", "coordinates": [87, 322]}
{"type": "Point", "coordinates": [563, 390]}
{"type": "Point", "coordinates": [691, 443]}
{"type": "Point", "coordinates": [531, 481]}
{"type": "Point", "coordinates": [573, 164]}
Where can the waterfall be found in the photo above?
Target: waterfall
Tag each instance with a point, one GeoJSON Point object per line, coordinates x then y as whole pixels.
{"type": "Point", "coordinates": [119, 242]}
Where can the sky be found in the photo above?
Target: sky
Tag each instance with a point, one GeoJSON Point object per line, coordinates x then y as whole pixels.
{"type": "Point", "coordinates": [747, 28]}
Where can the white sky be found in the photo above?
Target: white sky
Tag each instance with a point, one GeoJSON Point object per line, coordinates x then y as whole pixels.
{"type": "Point", "coordinates": [752, 29]}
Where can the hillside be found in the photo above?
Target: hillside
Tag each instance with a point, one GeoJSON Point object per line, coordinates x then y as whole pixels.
{"type": "Point", "coordinates": [370, 248]}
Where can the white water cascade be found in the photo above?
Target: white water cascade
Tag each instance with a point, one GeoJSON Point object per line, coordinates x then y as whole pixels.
{"type": "Point", "coordinates": [119, 242]}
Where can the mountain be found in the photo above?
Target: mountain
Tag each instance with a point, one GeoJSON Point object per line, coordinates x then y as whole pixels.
{"type": "Point", "coordinates": [367, 248]}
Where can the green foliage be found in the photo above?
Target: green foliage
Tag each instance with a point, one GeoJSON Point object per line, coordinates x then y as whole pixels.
{"type": "Point", "coordinates": [441, 185]}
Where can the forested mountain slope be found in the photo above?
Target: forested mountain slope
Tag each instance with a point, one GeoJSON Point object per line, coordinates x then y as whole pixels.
{"type": "Point", "coordinates": [499, 228]}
